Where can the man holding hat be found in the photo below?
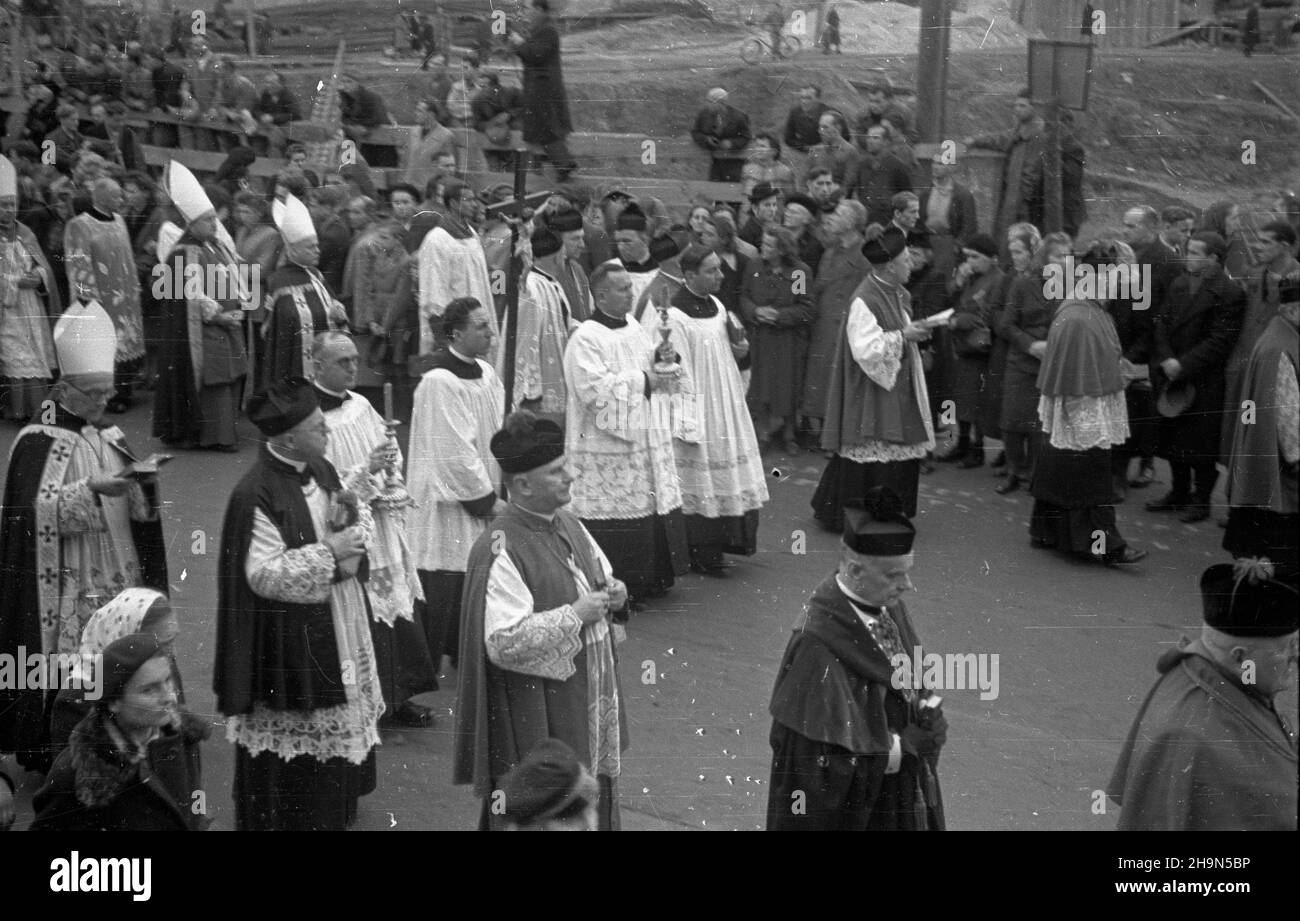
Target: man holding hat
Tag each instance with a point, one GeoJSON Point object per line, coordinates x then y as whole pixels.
{"type": "Point", "coordinates": [878, 421]}
{"type": "Point", "coordinates": [101, 267]}
{"type": "Point", "coordinates": [203, 360]}
{"type": "Point", "coordinates": [299, 304]}
{"type": "Point", "coordinates": [295, 668]}
{"type": "Point", "coordinates": [1208, 750]}
{"type": "Point", "coordinates": [79, 526]}
{"type": "Point", "coordinates": [565, 264]}
{"type": "Point", "coordinates": [29, 297]}
{"type": "Point", "coordinates": [721, 127]}
{"type": "Point", "coordinates": [855, 746]}
{"type": "Point", "coordinates": [1193, 338]}
{"type": "Point", "coordinates": [537, 652]}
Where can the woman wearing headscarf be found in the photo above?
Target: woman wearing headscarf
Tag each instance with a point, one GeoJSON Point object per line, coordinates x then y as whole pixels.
{"type": "Point", "coordinates": [1025, 322]}
{"type": "Point", "coordinates": [1083, 414]}
{"type": "Point", "coordinates": [133, 610]}
{"type": "Point", "coordinates": [776, 301]}
{"type": "Point", "coordinates": [132, 762]}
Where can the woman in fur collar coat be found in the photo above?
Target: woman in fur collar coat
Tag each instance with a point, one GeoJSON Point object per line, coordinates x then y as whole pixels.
{"type": "Point", "coordinates": [132, 763]}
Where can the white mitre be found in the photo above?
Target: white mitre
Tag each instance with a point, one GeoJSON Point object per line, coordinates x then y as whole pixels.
{"type": "Point", "coordinates": [187, 193]}
{"type": "Point", "coordinates": [293, 219]}
{"type": "Point", "coordinates": [85, 340]}
{"type": "Point", "coordinates": [8, 178]}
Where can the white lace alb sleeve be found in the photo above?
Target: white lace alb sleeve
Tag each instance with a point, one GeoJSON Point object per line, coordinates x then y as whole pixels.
{"type": "Point", "coordinates": [303, 575]}
{"type": "Point", "coordinates": [540, 643]}
{"type": "Point", "coordinates": [877, 352]}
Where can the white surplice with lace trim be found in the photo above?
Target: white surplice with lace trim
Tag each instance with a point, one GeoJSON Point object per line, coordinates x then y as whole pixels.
{"type": "Point", "coordinates": [305, 575]}
{"type": "Point", "coordinates": [545, 643]}
{"type": "Point", "coordinates": [1083, 423]}
{"type": "Point", "coordinates": [356, 429]}
{"type": "Point", "coordinates": [880, 356]}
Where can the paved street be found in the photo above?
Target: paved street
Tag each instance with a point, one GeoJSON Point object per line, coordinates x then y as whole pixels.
{"type": "Point", "coordinates": [1076, 645]}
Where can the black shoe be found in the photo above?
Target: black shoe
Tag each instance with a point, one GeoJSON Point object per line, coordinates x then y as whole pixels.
{"type": "Point", "coordinates": [1000, 462]}
{"type": "Point", "coordinates": [1194, 512]}
{"type": "Point", "coordinates": [952, 455]}
{"type": "Point", "coordinates": [974, 458]}
{"type": "Point", "coordinates": [410, 715]}
{"type": "Point", "coordinates": [1170, 502]}
{"type": "Point", "coordinates": [1010, 486]}
{"type": "Point", "coordinates": [1126, 557]}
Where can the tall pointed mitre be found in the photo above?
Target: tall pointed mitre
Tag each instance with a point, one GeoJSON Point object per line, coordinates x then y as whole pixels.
{"type": "Point", "coordinates": [8, 178]}
{"type": "Point", "coordinates": [187, 193]}
{"type": "Point", "coordinates": [85, 340]}
{"type": "Point", "coordinates": [293, 219]}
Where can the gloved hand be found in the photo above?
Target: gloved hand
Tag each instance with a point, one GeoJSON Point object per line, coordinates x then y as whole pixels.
{"type": "Point", "coordinates": [917, 741]}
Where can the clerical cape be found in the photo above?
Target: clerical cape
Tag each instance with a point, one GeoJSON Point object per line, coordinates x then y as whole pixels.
{"type": "Point", "coordinates": [834, 711]}
{"type": "Point", "coordinates": [503, 712]}
{"type": "Point", "coordinates": [64, 551]}
{"type": "Point", "coordinates": [298, 307]}
{"type": "Point", "coordinates": [1204, 754]}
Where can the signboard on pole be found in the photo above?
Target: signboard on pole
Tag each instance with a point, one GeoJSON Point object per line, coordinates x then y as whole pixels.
{"type": "Point", "coordinates": [1060, 70]}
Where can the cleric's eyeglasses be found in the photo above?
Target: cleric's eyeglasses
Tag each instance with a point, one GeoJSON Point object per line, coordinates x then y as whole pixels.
{"type": "Point", "coordinates": [98, 394]}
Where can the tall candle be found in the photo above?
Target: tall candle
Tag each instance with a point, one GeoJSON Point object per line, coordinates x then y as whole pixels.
{"type": "Point", "coordinates": [388, 402]}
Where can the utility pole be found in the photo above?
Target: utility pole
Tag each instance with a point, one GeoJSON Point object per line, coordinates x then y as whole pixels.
{"type": "Point", "coordinates": [250, 27]}
{"type": "Point", "coordinates": [932, 70]}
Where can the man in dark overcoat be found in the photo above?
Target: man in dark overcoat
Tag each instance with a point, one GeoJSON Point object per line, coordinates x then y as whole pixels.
{"type": "Point", "coordinates": [546, 107]}
{"type": "Point", "coordinates": [1193, 336]}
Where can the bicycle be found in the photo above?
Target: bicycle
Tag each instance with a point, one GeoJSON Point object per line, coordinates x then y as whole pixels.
{"type": "Point", "coordinates": [753, 49]}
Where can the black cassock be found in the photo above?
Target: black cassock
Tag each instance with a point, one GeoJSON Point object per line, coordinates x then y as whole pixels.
{"type": "Point", "coordinates": [283, 656]}
{"type": "Point", "coordinates": [833, 715]}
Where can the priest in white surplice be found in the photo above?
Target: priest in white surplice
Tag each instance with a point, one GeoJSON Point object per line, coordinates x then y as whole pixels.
{"type": "Point", "coordinates": [544, 326]}
{"type": "Point", "coordinates": [451, 473]}
{"type": "Point", "coordinates": [617, 438]}
{"type": "Point", "coordinates": [452, 263]}
{"type": "Point", "coordinates": [360, 450]}
{"type": "Point", "coordinates": [717, 454]}
{"type": "Point", "coordinates": [632, 236]}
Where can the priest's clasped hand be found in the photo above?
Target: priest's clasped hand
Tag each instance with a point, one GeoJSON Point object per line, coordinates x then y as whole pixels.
{"type": "Point", "coordinates": [617, 591]}
{"type": "Point", "coordinates": [345, 544]}
{"type": "Point", "coordinates": [918, 741]}
{"type": "Point", "coordinates": [592, 606]}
